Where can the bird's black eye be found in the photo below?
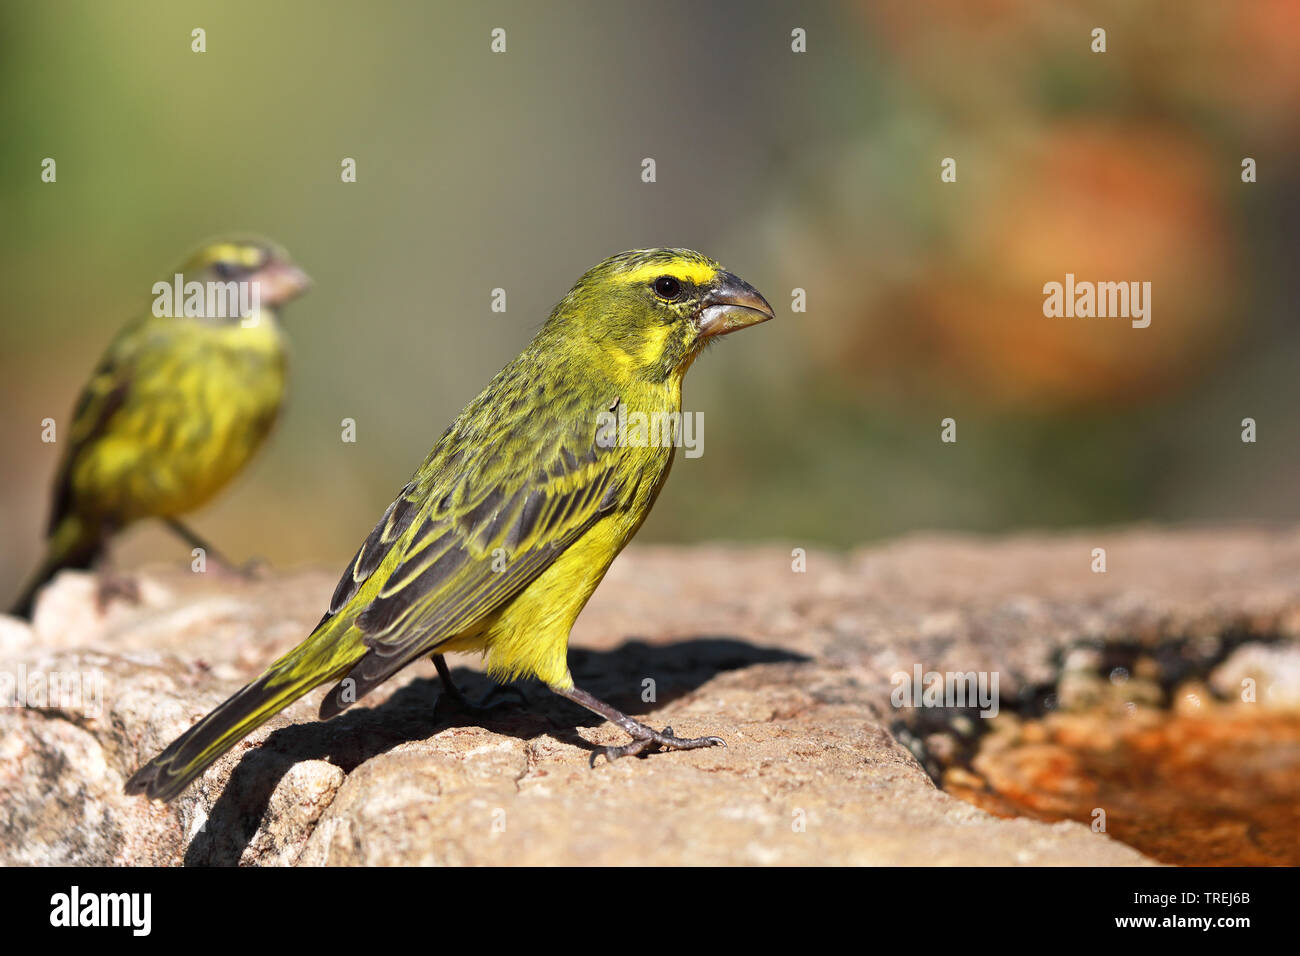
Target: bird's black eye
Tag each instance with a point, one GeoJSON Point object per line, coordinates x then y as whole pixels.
{"type": "Point", "coordinates": [224, 269]}
{"type": "Point", "coordinates": [666, 287]}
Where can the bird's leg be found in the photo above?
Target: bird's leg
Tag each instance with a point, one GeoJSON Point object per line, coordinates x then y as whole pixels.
{"type": "Point", "coordinates": [248, 570]}
{"type": "Point", "coordinates": [452, 692]}
{"type": "Point", "coordinates": [111, 584]}
{"type": "Point", "coordinates": [644, 738]}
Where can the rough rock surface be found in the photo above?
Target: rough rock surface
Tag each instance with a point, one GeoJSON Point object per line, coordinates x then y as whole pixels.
{"type": "Point", "coordinates": [792, 669]}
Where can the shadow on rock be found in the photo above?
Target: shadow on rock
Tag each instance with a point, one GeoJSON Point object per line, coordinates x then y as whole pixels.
{"type": "Point", "coordinates": [413, 713]}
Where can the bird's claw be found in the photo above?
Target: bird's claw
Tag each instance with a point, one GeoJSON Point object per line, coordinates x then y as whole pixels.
{"type": "Point", "coordinates": [110, 586]}
{"type": "Point", "coordinates": [651, 741]}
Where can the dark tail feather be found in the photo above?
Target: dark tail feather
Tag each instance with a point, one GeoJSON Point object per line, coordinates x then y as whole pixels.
{"type": "Point", "coordinates": [298, 672]}
{"type": "Point", "coordinates": [363, 677]}
{"type": "Point", "coordinates": [71, 546]}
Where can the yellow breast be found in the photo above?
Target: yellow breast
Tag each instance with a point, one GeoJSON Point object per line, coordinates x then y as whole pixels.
{"type": "Point", "coordinates": [196, 407]}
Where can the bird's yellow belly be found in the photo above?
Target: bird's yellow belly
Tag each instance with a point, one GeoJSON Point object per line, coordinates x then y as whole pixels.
{"type": "Point", "coordinates": [529, 637]}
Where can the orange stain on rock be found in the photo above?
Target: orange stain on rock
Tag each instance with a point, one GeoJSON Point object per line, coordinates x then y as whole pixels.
{"type": "Point", "coordinates": [1220, 786]}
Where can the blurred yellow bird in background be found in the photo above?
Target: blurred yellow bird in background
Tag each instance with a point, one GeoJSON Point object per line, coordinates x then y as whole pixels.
{"type": "Point", "coordinates": [176, 407]}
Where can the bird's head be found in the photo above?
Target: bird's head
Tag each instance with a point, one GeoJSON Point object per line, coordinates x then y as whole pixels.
{"type": "Point", "coordinates": [256, 261]}
{"type": "Point", "coordinates": [653, 310]}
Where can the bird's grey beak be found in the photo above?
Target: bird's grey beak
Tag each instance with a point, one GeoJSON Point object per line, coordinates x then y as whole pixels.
{"type": "Point", "coordinates": [281, 282]}
{"type": "Point", "coordinates": [731, 304]}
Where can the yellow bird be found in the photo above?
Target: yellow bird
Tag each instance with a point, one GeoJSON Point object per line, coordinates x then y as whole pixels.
{"type": "Point", "coordinates": [496, 543]}
{"type": "Point", "coordinates": [181, 400]}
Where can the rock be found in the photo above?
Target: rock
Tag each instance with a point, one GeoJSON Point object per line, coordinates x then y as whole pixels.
{"type": "Point", "coordinates": [792, 669]}
{"type": "Point", "coordinates": [1201, 784]}
{"type": "Point", "coordinates": [1260, 674]}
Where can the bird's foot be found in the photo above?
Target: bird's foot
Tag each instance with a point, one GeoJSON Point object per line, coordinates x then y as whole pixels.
{"type": "Point", "coordinates": [644, 739]}
{"type": "Point", "coordinates": [110, 586]}
{"type": "Point", "coordinates": [452, 698]}
{"type": "Point", "coordinates": [647, 740]}
{"type": "Point", "coordinates": [453, 701]}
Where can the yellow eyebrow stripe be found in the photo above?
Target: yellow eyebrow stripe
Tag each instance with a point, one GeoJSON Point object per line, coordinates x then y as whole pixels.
{"type": "Point", "coordinates": [244, 253]}
{"type": "Point", "coordinates": [683, 271]}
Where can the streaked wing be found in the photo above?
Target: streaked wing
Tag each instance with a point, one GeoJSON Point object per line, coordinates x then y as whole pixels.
{"type": "Point", "coordinates": [470, 555]}
{"type": "Point", "coordinates": [103, 396]}
{"type": "Point", "coordinates": [474, 529]}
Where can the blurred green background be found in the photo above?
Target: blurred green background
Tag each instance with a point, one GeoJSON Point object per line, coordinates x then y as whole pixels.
{"type": "Point", "coordinates": [817, 170]}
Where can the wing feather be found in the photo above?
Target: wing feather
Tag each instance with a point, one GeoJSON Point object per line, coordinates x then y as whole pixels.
{"type": "Point", "coordinates": [103, 396]}
{"type": "Point", "coordinates": [471, 531]}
